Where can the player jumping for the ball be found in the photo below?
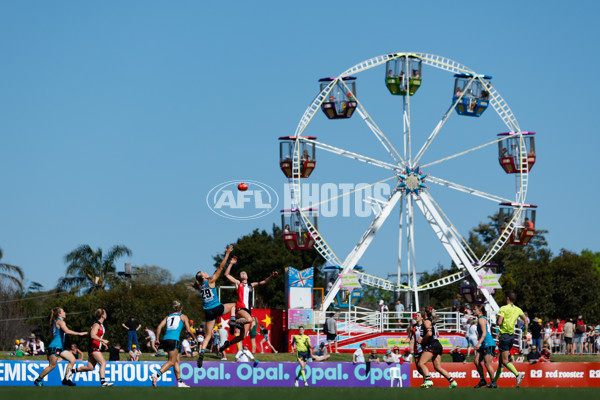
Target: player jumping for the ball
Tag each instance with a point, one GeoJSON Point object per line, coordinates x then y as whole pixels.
{"type": "Point", "coordinates": [213, 308]}
{"type": "Point", "coordinates": [243, 309]}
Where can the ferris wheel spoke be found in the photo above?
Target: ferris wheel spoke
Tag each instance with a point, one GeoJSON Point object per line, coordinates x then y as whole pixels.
{"type": "Point", "coordinates": [440, 124]}
{"type": "Point", "coordinates": [364, 242]}
{"type": "Point", "coordinates": [465, 189]}
{"type": "Point", "coordinates": [354, 156]}
{"type": "Point", "coordinates": [462, 153]}
{"type": "Point", "coordinates": [376, 205]}
{"type": "Point", "coordinates": [470, 251]}
{"type": "Point", "coordinates": [385, 142]}
{"type": "Point", "coordinates": [447, 236]}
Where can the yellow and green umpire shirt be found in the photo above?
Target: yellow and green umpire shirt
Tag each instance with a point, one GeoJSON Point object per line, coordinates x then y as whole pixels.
{"type": "Point", "coordinates": [511, 314]}
{"type": "Point", "coordinates": [302, 342]}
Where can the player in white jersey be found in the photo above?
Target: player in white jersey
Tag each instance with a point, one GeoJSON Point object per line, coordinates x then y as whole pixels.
{"type": "Point", "coordinates": [243, 309]}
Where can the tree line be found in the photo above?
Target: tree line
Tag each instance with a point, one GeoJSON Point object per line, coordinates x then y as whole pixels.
{"type": "Point", "coordinates": [547, 285]}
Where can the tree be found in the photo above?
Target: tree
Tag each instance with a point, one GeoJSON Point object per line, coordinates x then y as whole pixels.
{"type": "Point", "coordinates": [151, 275]}
{"type": "Point", "coordinates": [260, 253]}
{"type": "Point", "coordinates": [89, 269]}
{"type": "Point", "coordinates": [8, 272]}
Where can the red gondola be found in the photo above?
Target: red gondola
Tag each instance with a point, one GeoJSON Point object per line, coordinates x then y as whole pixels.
{"type": "Point", "coordinates": [525, 224]}
{"type": "Point", "coordinates": [306, 155]}
{"type": "Point", "coordinates": [509, 155]}
{"type": "Point", "coordinates": [295, 235]}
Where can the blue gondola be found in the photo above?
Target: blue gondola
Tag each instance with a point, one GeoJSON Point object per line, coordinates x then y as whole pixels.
{"type": "Point", "coordinates": [471, 95]}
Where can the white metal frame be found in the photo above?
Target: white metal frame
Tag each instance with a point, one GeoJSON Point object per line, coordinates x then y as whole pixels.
{"type": "Point", "coordinates": [451, 240]}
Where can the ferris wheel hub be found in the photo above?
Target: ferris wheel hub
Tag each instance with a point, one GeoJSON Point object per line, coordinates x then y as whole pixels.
{"type": "Point", "coordinates": [412, 181]}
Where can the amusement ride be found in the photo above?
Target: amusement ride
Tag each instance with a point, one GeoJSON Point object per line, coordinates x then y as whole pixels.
{"type": "Point", "coordinates": [414, 188]}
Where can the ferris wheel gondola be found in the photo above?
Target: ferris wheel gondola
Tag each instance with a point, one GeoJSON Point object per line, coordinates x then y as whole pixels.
{"type": "Point", "coordinates": [413, 193]}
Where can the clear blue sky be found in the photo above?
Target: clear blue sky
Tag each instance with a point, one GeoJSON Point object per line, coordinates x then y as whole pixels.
{"type": "Point", "coordinates": [117, 118]}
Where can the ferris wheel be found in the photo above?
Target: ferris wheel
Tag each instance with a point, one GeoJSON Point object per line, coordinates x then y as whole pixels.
{"type": "Point", "coordinates": [404, 163]}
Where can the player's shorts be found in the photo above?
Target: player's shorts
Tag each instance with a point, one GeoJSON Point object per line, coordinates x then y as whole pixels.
{"type": "Point", "coordinates": [245, 309]}
{"type": "Point", "coordinates": [487, 351]}
{"type": "Point", "coordinates": [93, 348]}
{"type": "Point", "coordinates": [434, 347]}
{"type": "Point", "coordinates": [303, 356]}
{"type": "Point", "coordinates": [331, 337]}
{"type": "Point", "coordinates": [54, 351]}
{"type": "Point", "coordinates": [505, 342]}
{"type": "Point", "coordinates": [213, 313]}
{"type": "Point", "coordinates": [170, 345]}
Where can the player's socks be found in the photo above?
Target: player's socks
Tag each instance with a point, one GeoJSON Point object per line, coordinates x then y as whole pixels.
{"type": "Point", "coordinates": [512, 368]}
{"type": "Point", "coordinates": [498, 372]}
{"type": "Point", "coordinates": [303, 374]}
{"type": "Point", "coordinates": [225, 346]}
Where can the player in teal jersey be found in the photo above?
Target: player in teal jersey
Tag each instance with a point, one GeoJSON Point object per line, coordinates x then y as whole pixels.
{"type": "Point", "coordinates": [56, 348]}
{"type": "Point", "coordinates": [485, 347]}
{"type": "Point", "coordinates": [174, 324]}
{"type": "Point", "coordinates": [213, 308]}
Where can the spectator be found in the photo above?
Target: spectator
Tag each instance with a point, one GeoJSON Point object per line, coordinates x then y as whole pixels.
{"type": "Point", "coordinates": [548, 334]}
{"type": "Point", "coordinates": [329, 285]}
{"type": "Point", "coordinates": [389, 357]}
{"type": "Point", "coordinates": [520, 357]}
{"type": "Point", "coordinates": [132, 327]}
{"type": "Point", "coordinates": [545, 353]}
{"type": "Point", "coordinates": [78, 354]}
{"type": "Point", "coordinates": [330, 330]}
{"type": "Point", "coordinates": [221, 340]}
{"type": "Point", "coordinates": [472, 336]}
{"type": "Point", "coordinates": [151, 338]}
{"type": "Point", "coordinates": [186, 348]}
{"type": "Point", "coordinates": [456, 304]}
{"type": "Point", "coordinates": [384, 310]}
{"type": "Point", "coordinates": [265, 334]}
{"type": "Point", "coordinates": [245, 355]}
{"type": "Point", "coordinates": [31, 347]}
{"type": "Point", "coordinates": [589, 340]}
{"type": "Point", "coordinates": [134, 353]}
{"type": "Point", "coordinates": [358, 356]}
{"type": "Point", "coordinates": [407, 356]}
{"type": "Point", "coordinates": [399, 308]}
{"type": "Point", "coordinates": [114, 354]}
{"type": "Point", "coordinates": [457, 356]}
{"type": "Point", "coordinates": [373, 357]}
{"type": "Point", "coordinates": [397, 355]}
{"type": "Point", "coordinates": [534, 355]}
{"type": "Point", "coordinates": [569, 331]}
{"type": "Point", "coordinates": [40, 348]}
{"type": "Point", "coordinates": [579, 336]}
{"type": "Point", "coordinates": [320, 354]}
{"type": "Point", "coordinates": [536, 332]}
{"type": "Point", "coordinates": [18, 349]}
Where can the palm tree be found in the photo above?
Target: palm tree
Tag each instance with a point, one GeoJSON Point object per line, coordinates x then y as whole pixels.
{"type": "Point", "coordinates": [8, 271]}
{"type": "Point", "coordinates": [90, 269]}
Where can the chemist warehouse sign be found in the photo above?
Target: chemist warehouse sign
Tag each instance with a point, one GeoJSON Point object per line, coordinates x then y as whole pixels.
{"type": "Point", "coordinates": [323, 374]}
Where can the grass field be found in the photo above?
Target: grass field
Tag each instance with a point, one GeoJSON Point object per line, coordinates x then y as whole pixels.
{"type": "Point", "coordinates": [311, 393]}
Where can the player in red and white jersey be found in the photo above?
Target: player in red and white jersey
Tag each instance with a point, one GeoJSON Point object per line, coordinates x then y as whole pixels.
{"type": "Point", "coordinates": [97, 342]}
{"type": "Point", "coordinates": [243, 311]}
